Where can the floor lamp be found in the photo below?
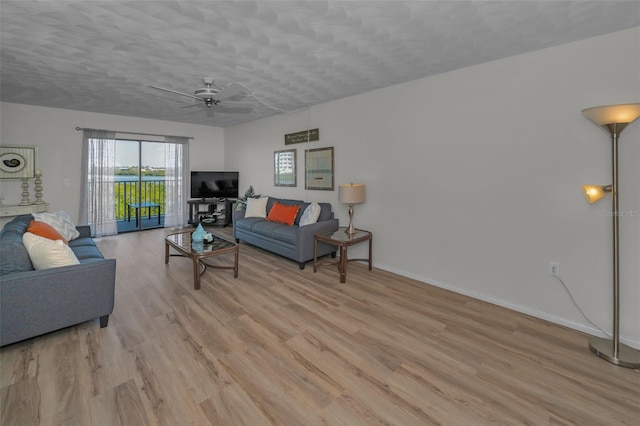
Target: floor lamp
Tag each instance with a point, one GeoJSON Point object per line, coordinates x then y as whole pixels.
{"type": "Point", "coordinates": [613, 118]}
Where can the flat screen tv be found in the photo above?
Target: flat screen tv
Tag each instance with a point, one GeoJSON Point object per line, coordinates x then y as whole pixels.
{"type": "Point", "coordinates": [214, 184]}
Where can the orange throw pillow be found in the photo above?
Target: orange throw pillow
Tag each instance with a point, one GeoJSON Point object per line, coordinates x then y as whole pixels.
{"type": "Point", "coordinates": [281, 213]}
{"type": "Point", "coordinates": [45, 231]}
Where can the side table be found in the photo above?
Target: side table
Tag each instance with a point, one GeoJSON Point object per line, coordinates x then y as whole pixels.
{"type": "Point", "coordinates": [344, 241]}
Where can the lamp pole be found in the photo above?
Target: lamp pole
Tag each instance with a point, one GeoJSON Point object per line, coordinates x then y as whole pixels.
{"type": "Point", "coordinates": [615, 130]}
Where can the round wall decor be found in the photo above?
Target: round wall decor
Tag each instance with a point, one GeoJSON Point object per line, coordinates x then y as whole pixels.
{"type": "Point", "coordinates": [12, 162]}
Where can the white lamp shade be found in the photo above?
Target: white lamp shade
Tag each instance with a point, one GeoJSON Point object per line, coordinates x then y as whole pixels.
{"type": "Point", "coordinates": [352, 193]}
{"type": "Point", "coordinates": [612, 114]}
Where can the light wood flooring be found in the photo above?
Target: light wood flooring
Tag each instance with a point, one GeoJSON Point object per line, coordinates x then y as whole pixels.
{"type": "Point", "coordinates": [282, 346]}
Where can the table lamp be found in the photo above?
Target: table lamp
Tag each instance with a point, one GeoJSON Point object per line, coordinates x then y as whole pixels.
{"type": "Point", "coordinates": [352, 193]}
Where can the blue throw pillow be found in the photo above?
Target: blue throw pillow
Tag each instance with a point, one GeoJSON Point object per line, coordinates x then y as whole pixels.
{"type": "Point", "coordinates": [13, 254]}
{"type": "Point", "coordinates": [19, 224]}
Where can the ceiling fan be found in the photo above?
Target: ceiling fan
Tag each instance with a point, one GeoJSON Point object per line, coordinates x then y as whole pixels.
{"type": "Point", "coordinates": [212, 94]}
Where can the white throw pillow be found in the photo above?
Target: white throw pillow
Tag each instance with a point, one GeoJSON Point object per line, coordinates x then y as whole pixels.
{"type": "Point", "coordinates": [256, 207]}
{"type": "Point", "coordinates": [61, 222]}
{"type": "Point", "coordinates": [45, 253]}
{"type": "Point", "coordinates": [311, 214]}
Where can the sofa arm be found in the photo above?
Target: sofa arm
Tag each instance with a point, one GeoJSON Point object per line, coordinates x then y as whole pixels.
{"type": "Point", "coordinates": [41, 301]}
{"type": "Point", "coordinates": [308, 231]}
{"type": "Point", "coordinates": [306, 239]}
{"type": "Point", "coordinates": [237, 215]}
{"type": "Point", "coordinates": [85, 231]}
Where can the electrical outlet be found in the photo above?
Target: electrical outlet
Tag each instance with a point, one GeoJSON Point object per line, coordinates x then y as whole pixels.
{"type": "Point", "coordinates": [554, 269]}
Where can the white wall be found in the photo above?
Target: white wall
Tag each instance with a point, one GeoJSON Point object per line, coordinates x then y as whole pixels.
{"type": "Point", "coordinates": [473, 177]}
{"type": "Point", "coordinates": [60, 147]}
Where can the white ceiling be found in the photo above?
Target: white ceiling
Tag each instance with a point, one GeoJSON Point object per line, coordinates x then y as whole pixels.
{"type": "Point", "coordinates": [101, 56]}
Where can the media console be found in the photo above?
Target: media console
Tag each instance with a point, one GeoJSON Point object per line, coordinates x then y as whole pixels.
{"type": "Point", "coordinates": [210, 211]}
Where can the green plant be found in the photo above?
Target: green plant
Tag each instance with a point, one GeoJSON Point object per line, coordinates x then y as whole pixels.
{"type": "Point", "coordinates": [241, 204]}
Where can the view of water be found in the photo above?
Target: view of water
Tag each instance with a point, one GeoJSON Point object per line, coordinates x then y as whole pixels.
{"type": "Point", "coordinates": [126, 178]}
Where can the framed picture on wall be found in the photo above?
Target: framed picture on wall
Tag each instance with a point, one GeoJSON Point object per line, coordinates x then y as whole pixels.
{"type": "Point", "coordinates": [17, 162]}
{"type": "Point", "coordinates": [318, 169]}
{"type": "Point", "coordinates": [284, 168]}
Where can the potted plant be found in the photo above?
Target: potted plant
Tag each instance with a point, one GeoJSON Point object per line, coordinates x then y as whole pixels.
{"type": "Point", "coordinates": [241, 204]}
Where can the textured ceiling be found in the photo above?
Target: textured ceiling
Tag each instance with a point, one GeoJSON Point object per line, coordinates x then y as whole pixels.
{"type": "Point", "coordinates": [101, 56]}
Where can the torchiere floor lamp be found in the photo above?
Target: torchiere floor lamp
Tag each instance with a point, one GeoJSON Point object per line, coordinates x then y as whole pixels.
{"type": "Point", "coordinates": [613, 118]}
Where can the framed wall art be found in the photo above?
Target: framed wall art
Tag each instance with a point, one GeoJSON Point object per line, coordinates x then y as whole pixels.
{"type": "Point", "coordinates": [284, 168]}
{"type": "Point", "coordinates": [17, 162]}
{"type": "Point", "coordinates": [318, 169]}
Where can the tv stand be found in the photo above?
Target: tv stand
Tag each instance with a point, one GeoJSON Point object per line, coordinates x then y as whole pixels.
{"type": "Point", "coordinates": [210, 211]}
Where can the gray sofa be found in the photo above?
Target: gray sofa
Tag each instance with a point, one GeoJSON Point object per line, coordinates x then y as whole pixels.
{"type": "Point", "coordinates": [293, 242]}
{"type": "Point", "coordinates": [34, 302]}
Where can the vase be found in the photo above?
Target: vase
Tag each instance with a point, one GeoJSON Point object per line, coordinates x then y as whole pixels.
{"type": "Point", "coordinates": [198, 234]}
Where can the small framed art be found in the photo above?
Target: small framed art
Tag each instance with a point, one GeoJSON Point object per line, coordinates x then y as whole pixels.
{"type": "Point", "coordinates": [318, 169]}
{"type": "Point", "coordinates": [17, 162]}
{"type": "Point", "coordinates": [284, 168]}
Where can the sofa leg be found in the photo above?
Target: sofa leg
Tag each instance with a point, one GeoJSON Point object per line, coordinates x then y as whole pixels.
{"type": "Point", "coordinates": [334, 254]}
{"type": "Point", "coordinates": [301, 265]}
{"type": "Point", "coordinates": [104, 320]}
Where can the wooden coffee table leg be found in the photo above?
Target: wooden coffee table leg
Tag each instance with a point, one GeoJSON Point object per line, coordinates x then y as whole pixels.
{"type": "Point", "coordinates": [196, 274]}
{"type": "Point", "coordinates": [343, 264]}
{"type": "Point", "coordinates": [315, 255]}
{"type": "Point", "coordinates": [235, 267]}
{"type": "Point", "coordinates": [166, 252]}
{"type": "Point", "coordinates": [370, 244]}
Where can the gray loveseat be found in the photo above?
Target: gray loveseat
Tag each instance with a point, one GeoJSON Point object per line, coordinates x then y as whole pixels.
{"type": "Point", "coordinates": [34, 302]}
{"type": "Point", "coordinates": [293, 242]}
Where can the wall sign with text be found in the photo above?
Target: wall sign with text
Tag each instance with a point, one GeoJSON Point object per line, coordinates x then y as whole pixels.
{"type": "Point", "coordinates": [303, 136]}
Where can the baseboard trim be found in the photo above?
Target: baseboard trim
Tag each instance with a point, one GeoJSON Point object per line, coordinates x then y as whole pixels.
{"type": "Point", "coordinates": [588, 329]}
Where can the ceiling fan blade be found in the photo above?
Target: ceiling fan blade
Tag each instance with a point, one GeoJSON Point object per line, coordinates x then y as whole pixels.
{"type": "Point", "coordinates": [237, 103]}
{"type": "Point", "coordinates": [232, 109]}
{"type": "Point", "coordinates": [192, 105]}
{"type": "Point", "coordinates": [174, 92]}
{"type": "Point", "coordinates": [231, 90]}
{"type": "Point", "coordinates": [172, 99]}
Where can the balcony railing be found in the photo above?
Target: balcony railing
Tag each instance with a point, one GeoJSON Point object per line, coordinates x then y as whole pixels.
{"type": "Point", "coordinates": [132, 192]}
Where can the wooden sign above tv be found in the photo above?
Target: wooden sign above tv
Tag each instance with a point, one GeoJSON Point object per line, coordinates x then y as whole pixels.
{"type": "Point", "coordinates": [303, 136]}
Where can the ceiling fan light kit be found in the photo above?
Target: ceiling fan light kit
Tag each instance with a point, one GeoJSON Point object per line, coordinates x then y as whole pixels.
{"type": "Point", "coordinates": [208, 93]}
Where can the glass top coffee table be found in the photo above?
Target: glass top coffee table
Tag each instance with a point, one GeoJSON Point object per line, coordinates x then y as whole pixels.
{"type": "Point", "coordinates": [197, 251]}
{"type": "Point", "coordinates": [339, 238]}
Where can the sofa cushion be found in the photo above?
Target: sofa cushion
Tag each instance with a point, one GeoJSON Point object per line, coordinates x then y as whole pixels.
{"type": "Point", "coordinates": [288, 234]}
{"type": "Point", "coordinates": [18, 224]}
{"type": "Point", "coordinates": [281, 213]}
{"type": "Point", "coordinates": [265, 228]}
{"type": "Point", "coordinates": [45, 230]}
{"type": "Point", "coordinates": [246, 224]}
{"type": "Point", "coordinates": [45, 253]}
{"type": "Point", "coordinates": [310, 214]}
{"type": "Point", "coordinates": [325, 212]}
{"type": "Point", "coordinates": [256, 207]}
{"type": "Point", "coordinates": [13, 254]}
{"type": "Point", "coordinates": [61, 221]}
{"type": "Point", "coordinates": [286, 202]}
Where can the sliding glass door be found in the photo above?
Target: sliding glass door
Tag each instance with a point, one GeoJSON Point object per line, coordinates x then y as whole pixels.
{"type": "Point", "coordinates": [140, 185]}
{"type": "Point", "coordinates": [129, 185]}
